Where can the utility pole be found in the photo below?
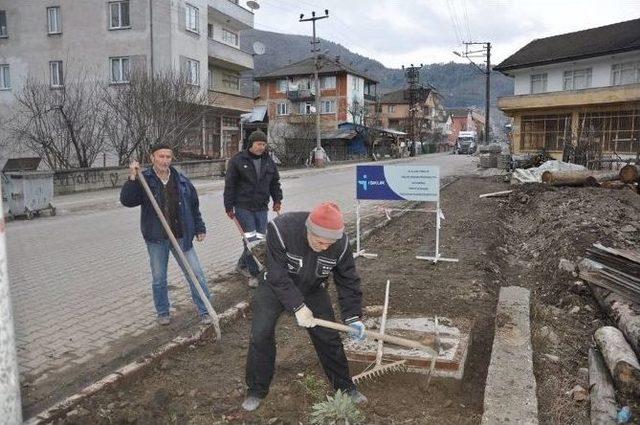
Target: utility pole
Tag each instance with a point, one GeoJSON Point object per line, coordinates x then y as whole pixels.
{"type": "Point", "coordinates": [485, 52]}
{"type": "Point", "coordinates": [415, 94]}
{"type": "Point", "coordinates": [319, 153]}
{"type": "Point", "coordinates": [10, 405]}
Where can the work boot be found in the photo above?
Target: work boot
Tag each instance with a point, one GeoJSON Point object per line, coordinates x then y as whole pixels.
{"type": "Point", "coordinates": [357, 397]}
{"type": "Point", "coordinates": [251, 403]}
{"type": "Point", "coordinates": [243, 271]}
{"type": "Point", "coordinates": [164, 320]}
{"type": "Point", "coordinates": [205, 319]}
{"type": "Point", "coordinates": [253, 282]}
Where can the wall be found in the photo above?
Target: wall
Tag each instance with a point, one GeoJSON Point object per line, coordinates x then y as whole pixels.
{"type": "Point", "coordinates": [82, 180]}
{"type": "Point", "coordinates": [600, 73]}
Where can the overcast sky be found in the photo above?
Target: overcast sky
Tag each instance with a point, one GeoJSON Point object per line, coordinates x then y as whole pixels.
{"type": "Point", "coordinates": [401, 32]}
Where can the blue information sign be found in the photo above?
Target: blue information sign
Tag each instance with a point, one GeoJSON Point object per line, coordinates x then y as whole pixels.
{"type": "Point", "coordinates": [398, 182]}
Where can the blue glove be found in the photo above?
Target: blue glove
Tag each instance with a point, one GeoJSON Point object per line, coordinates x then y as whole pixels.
{"type": "Point", "coordinates": [357, 330]}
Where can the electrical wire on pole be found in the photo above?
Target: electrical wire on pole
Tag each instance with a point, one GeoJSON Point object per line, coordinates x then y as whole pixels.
{"type": "Point", "coordinates": [319, 154]}
{"type": "Point", "coordinates": [485, 53]}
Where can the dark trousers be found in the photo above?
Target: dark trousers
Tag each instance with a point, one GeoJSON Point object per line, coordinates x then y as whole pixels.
{"type": "Point", "coordinates": [262, 348]}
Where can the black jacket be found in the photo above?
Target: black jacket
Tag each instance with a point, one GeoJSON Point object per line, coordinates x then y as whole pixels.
{"type": "Point", "coordinates": [243, 189]}
{"type": "Point", "coordinates": [294, 269]}
{"type": "Point", "coordinates": [132, 194]}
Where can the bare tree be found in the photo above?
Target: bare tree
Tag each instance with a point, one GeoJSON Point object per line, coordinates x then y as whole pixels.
{"type": "Point", "coordinates": [65, 124]}
{"type": "Point", "coordinates": [292, 139]}
{"type": "Point", "coordinates": [164, 107]}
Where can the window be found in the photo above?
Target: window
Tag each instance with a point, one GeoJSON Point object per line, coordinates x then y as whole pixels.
{"type": "Point", "coordinates": [545, 131]}
{"type": "Point", "coordinates": [577, 79]}
{"type": "Point", "coordinates": [229, 37]}
{"type": "Point", "coordinates": [618, 130]}
{"type": "Point", "coordinates": [283, 108]}
{"type": "Point", "coordinates": [538, 83]}
{"type": "Point", "coordinates": [54, 20]}
{"type": "Point", "coordinates": [305, 108]}
{"type": "Point", "coordinates": [5, 77]}
{"type": "Point", "coordinates": [282, 86]}
{"type": "Point", "coordinates": [328, 107]}
{"type": "Point", "coordinates": [621, 73]}
{"type": "Point", "coordinates": [192, 18]}
{"type": "Point", "coordinates": [192, 72]}
{"type": "Point", "coordinates": [119, 70]}
{"type": "Point", "coordinates": [119, 12]}
{"type": "Point", "coordinates": [3, 24]}
{"type": "Point", "coordinates": [55, 74]}
{"type": "Point", "coordinates": [356, 83]}
{"type": "Point", "coordinates": [328, 82]}
{"type": "Point", "coordinates": [211, 76]}
{"type": "Point", "coordinates": [391, 108]}
{"type": "Point", "coordinates": [231, 81]}
{"type": "Point", "coordinates": [210, 31]}
{"type": "Point", "coordinates": [231, 122]}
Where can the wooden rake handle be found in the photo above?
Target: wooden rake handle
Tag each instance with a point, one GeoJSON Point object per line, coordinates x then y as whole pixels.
{"type": "Point", "coordinates": [403, 342]}
{"type": "Point", "coordinates": [178, 250]}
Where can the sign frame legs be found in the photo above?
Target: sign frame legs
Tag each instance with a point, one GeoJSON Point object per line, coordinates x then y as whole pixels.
{"type": "Point", "coordinates": [437, 257]}
{"type": "Point", "coordinates": [360, 252]}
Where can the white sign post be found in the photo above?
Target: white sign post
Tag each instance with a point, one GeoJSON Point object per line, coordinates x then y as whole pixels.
{"type": "Point", "coordinates": [400, 183]}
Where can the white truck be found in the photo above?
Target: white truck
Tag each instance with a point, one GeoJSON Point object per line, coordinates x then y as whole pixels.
{"type": "Point", "coordinates": [467, 142]}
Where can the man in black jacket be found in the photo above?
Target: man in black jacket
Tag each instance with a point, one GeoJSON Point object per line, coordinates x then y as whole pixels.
{"type": "Point", "coordinates": [252, 177]}
{"type": "Point", "coordinates": [302, 250]}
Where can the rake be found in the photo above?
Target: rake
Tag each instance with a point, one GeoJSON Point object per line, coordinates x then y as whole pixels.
{"type": "Point", "coordinates": [378, 368]}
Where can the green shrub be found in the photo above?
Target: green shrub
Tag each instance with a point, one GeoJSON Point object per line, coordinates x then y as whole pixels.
{"type": "Point", "coordinates": [337, 410]}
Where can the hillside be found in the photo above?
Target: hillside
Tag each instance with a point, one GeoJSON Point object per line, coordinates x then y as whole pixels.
{"type": "Point", "coordinates": [460, 84]}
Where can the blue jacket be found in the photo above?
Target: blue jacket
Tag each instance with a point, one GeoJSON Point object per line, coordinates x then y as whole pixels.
{"type": "Point", "coordinates": [133, 194]}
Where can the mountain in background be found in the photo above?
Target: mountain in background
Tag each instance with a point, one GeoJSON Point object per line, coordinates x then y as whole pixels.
{"type": "Point", "coordinates": [461, 85]}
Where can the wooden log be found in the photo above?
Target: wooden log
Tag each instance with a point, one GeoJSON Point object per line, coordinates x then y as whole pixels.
{"type": "Point", "coordinates": [629, 173]}
{"type": "Point", "coordinates": [566, 178]}
{"type": "Point", "coordinates": [597, 178]}
{"type": "Point", "coordinates": [624, 314]}
{"type": "Point", "coordinates": [620, 359]}
{"type": "Point", "coordinates": [601, 391]}
{"type": "Point", "coordinates": [614, 184]}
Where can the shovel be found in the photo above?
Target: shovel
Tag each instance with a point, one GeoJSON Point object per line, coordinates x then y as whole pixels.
{"type": "Point", "coordinates": [183, 259]}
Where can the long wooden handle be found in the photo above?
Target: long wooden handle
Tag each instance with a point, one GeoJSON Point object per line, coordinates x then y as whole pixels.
{"type": "Point", "coordinates": [183, 259]}
{"type": "Point", "coordinates": [403, 342]}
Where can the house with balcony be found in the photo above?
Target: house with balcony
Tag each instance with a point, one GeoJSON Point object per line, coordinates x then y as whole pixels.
{"type": "Point", "coordinates": [290, 97]}
{"type": "Point", "coordinates": [198, 38]}
{"type": "Point", "coordinates": [393, 111]}
{"type": "Point", "coordinates": [576, 90]}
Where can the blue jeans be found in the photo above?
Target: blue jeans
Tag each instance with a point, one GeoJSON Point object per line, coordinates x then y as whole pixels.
{"type": "Point", "coordinates": [254, 224]}
{"type": "Point", "coordinates": [159, 259]}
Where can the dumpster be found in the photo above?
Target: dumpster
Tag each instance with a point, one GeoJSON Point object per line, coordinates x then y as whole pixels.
{"type": "Point", "coordinates": [26, 191]}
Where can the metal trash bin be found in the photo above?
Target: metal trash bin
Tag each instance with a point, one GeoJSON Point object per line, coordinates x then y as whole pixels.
{"type": "Point", "coordinates": [26, 191]}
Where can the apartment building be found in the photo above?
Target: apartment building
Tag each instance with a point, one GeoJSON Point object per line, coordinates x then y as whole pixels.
{"type": "Point", "coordinates": [46, 39]}
{"type": "Point", "coordinates": [576, 89]}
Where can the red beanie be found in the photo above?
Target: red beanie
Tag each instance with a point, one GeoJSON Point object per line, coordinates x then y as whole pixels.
{"type": "Point", "coordinates": [326, 221]}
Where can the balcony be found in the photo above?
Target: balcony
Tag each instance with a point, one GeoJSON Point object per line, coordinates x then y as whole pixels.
{"type": "Point", "coordinates": [229, 56]}
{"type": "Point", "coordinates": [561, 99]}
{"type": "Point", "coordinates": [300, 95]}
{"type": "Point", "coordinates": [231, 102]}
{"type": "Point", "coordinates": [370, 97]}
{"type": "Point", "coordinates": [230, 12]}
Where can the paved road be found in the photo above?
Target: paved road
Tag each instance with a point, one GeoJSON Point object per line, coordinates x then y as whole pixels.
{"type": "Point", "coordinates": [80, 281]}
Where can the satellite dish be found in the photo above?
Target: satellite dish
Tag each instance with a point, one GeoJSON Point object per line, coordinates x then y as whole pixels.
{"type": "Point", "coordinates": [253, 5]}
{"type": "Point", "coordinates": [258, 48]}
{"type": "Point", "coordinates": [312, 109]}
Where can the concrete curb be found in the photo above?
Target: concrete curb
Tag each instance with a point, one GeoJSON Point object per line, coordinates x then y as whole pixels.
{"type": "Point", "coordinates": [510, 391]}
{"type": "Point", "coordinates": [134, 369]}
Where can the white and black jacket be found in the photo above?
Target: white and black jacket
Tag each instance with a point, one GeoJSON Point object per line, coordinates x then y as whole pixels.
{"type": "Point", "coordinates": [295, 270]}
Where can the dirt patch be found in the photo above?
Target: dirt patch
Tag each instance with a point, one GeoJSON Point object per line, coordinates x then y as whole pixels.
{"type": "Point", "coordinates": [205, 384]}
{"type": "Point", "coordinates": [543, 224]}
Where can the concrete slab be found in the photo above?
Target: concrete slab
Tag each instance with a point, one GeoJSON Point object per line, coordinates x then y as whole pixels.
{"type": "Point", "coordinates": [510, 392]}
{"type": "Point", "coordinates": [453, 342]}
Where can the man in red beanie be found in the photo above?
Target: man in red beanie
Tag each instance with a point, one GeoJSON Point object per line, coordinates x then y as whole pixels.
{"type": "Point", "coordinates": [302, 250]}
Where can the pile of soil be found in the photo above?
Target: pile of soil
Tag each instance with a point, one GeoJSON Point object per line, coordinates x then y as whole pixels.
{"type": "Point", "coordinates": [541, 225]}
{"type": "Point", "coordinates": [205, 384]}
